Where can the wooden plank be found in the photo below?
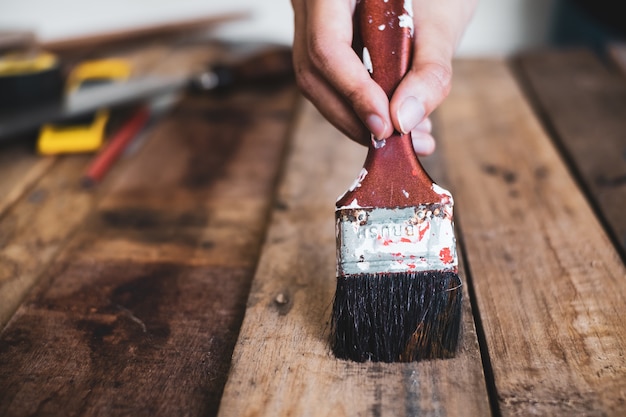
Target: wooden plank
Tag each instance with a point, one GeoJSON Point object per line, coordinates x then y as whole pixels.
{"type": "Point", "coordinates": [583, 104]}
{"type": "Point", "coordinates": [549, 284]}
{"type": "Point", "coordinates": [30, 209]}
{"type": "Point", "coordinates": [36, 228]}
{"type": "Point", "coordinates": [282, 365]}
{"type": "Point", "coordinates": [20, 169]}
{"type": "Point", "coordinates": [139, 314]}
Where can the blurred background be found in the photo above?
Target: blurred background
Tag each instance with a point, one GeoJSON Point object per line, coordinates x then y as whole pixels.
{"type": "Point", "coordinates": [500, 27]}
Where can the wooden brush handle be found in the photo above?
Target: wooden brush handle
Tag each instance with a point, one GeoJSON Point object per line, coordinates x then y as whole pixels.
{"type": "Point", "coordinates": [392, 175]}
{"type": "Point", "coordinates": [386, 33]}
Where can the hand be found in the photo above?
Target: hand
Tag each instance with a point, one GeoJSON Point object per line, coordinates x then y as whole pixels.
{"type": "Point", "coordinates": [333, 78]}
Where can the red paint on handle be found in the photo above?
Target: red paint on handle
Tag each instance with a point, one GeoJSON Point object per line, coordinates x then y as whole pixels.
{"type": "Point", "coordinates": [395, 177]}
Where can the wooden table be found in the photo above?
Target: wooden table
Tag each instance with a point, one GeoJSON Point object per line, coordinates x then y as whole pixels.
{"type": "Point", "coordinates": [129, 299]}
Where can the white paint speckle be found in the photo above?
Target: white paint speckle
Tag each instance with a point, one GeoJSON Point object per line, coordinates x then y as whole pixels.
{"type": "Point", "coordinates": [363, 266]}
{"type": "Point", "coordinates": [406, 193]}
{"type": "Point", "coordinates": [357, 182]}
{"type": "Point", "coordinates": [441, 191]}
{"type": "Point", "coordinates": [381, 27]}
{"type": "Point", "coordinates": [378, 143]}
{"type": "Point", "coordinates": [408, 7]}
{"type": "Point", "coordinates": [353, 205]}
{"type": "Point", "coordinates": [406, 21]}
{"type": "Point", "coordinates": [367, 61]}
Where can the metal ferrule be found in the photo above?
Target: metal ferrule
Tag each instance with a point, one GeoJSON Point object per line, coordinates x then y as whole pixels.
{"type": "Point", "coordinates": [407, 239]}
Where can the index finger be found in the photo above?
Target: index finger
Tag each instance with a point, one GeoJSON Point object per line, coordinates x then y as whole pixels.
{"type": "Point", "coordinates": [330, 45]}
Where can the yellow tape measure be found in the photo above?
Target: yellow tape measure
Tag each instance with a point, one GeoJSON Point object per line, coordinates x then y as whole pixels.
{"type": "Point", "coordinates": [85, 134]}
{"type": "Point", "coordinates": [29, 78]}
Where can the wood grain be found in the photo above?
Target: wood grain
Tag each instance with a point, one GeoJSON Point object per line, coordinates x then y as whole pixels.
{"type": "Point", "coordinates": [38, 224]}
{"type": "Point", "coordinates": [583, 104]}
{"type": "Point", "coordinates": [282, 365]}
{"type": "Point", "coordinates": [41, 204]}
{"type": "Point", "coordinates": [548, 281]}
{"type": "Point", "coordinates": [139, 313]}
{"type": "Point", "coordinates": [20, 169]}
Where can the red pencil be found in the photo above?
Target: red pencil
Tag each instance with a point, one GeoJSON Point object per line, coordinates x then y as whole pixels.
{"type": "Point", "coordinates": [116, 145]}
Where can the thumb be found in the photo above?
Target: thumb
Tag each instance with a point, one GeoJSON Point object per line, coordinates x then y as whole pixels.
{"type": "Point", "coordinates": [424, 87]}
{"type": "Point", "coordinates": [439, 26]}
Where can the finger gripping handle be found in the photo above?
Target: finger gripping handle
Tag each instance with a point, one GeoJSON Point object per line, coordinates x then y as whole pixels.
{"type": "Point", "coordinates": [386, 31]}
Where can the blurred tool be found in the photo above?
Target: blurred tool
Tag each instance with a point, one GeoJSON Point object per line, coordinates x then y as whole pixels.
{"type": "Point", "coordinates": [272, 66]}
{"type": "Point", "coordinates": [254, 70]}
{"type": "Point", "coordinates": [28, 75]}
{"type": "Point", "coordinates": [28, 78]}
{"type": "Point", "coordinates": [84, 133]}
{"type": "Point", "coordinates": [115, 146]}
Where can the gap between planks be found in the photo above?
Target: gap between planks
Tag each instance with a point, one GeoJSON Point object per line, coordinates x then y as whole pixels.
{"type": "Point", "coordinates": [586, 123]}
{"type": "Point", "coordinates": [139, 312]}
{"type": "Point", "coordinates": [547, 279]}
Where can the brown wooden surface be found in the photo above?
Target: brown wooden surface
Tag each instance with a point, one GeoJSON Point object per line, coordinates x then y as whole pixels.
{"type": "Point", "coordinates": [140, 285]}
{"type": "Point", "coordinates": [549, 284]}
{"type": "Point", "coordinates": [142, 281]}
{"type": "Point", "coordinates": [282, 365]}
{"type": "Point", "coordinates": [140, 312]}
{"type": "Point", "coordinates": [20, 168]}
{"type": "Point", "coordinates": [37, 225]}
{"type": "Point", "coordinates": [583, 104]}
{"type": "Point", "coordinates": [43, 228]}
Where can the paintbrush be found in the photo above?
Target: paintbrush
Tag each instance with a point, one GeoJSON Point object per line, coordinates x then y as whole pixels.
{"type": "Point", "coordinates": [398, 296]}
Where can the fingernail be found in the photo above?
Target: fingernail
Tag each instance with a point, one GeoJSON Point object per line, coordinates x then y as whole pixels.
{"type": "Point", "coordinates": [411, 112]}
{"type": "Point", "coordinates": [424, 126]}
{"type": "Point", "coordinates": [375, 125]}
{"type": "Point", "coordinates": [423, 143]}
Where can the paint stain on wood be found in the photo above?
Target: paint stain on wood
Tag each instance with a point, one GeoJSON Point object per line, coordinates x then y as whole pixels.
{"type": "Point", "coordinates": [611, 182]}
{"type": "Point", "coordinates": [156, 226]}
{"type": "Point", "coordinates": [213, 134]}
{"type": "Point", "coordinates": [142, 218]}
{"type": "Point", "coordinates": [510, 177]}
{"type": "Point", "coordinates": [127, 317]}
{"type": "Point", "coordinates": [123, 332]}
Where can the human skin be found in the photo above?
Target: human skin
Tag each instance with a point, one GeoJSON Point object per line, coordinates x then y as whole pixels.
{"type": "Point", "coordinates": [331, 75]}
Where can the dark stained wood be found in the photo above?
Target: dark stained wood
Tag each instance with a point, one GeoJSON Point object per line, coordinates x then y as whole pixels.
{"type": "Point", "coordinates": [41, 204]}
{"type": "Point", "coordinates": [140, 312]}
{"type": "Point", "coordinates": [583, 105]}
{"type": "Point", "coordinates": [123, 338]}
{"type": "Point", "coordinates": [43, 213]}
{"type": "Point", "coordinates": [548, 282]}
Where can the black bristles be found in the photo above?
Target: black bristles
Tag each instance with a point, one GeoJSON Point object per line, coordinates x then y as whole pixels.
{"type": "Point", "coordinates": [396, 317]}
